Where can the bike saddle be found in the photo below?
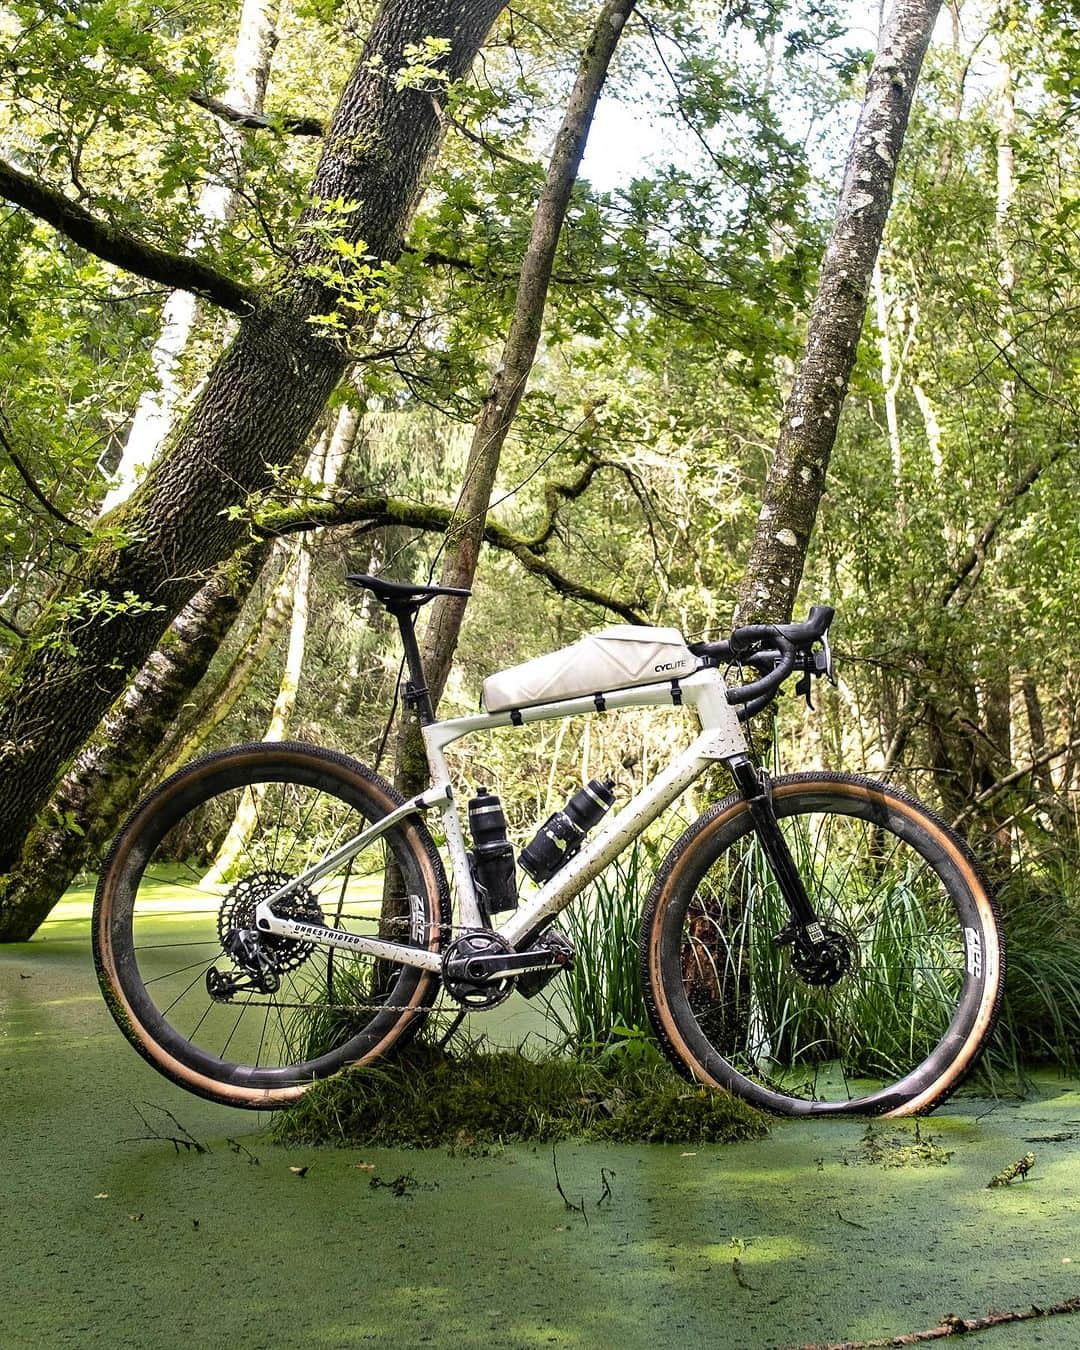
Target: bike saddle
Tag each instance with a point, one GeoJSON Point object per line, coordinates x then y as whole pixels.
{"type": "Point", "coordinates": [398, 594]}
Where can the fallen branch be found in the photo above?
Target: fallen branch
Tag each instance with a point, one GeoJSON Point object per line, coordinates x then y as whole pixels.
{"type": "Point", "coordinates": [577, 1209]}
{"type": "Point", "coordinates": [183, 1140]}
{"type": "Point", "coordinates": [951, 1325]}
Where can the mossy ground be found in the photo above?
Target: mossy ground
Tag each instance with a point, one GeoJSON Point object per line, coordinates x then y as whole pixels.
{"type": "Point", "coordinates": [428, 1098]}
{"type": "Point", "coordinates": [109, 1237]}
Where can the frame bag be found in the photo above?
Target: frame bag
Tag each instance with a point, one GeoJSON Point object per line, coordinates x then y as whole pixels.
{"type": "Point", "coordinates": [617, 658]}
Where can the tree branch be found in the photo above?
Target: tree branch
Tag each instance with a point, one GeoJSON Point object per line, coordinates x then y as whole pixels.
{"type": "Point", "coordinates": [975, 558]}
{"type": "Point", "coordinates": [375, 511]}
{"type": "Point", "coordinates": [123, 250]}
{"type": "Point", "coordinates": [554, 496]}
{"type": "Point", "coordinates": [33, 487]}
{"type": "Point", "coordinates": [1012, 778]}
{"type": "Point", "coordinates": [952, 1325]}
{"type": "Point", "coordinates": [293, 124]}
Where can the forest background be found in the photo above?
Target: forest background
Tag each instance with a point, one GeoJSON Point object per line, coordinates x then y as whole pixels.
{"type": "Point", "coordinates": [160, 163]}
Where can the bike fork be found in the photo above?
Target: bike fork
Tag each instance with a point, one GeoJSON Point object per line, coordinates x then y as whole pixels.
{"type": "Point", "coordinates": [753, 783]}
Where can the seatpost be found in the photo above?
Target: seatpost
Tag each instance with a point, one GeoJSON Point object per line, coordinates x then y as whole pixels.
{"type": "Point", "coordinates": [416, 690]}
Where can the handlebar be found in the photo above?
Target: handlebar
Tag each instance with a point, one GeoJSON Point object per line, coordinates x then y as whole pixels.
{"type": "Point", "coordinates": [743, 642]}
{"type": "Point", "coordinates": [775, 650]}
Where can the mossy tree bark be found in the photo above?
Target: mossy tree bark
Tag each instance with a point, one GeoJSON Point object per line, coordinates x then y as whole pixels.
{"type": "Point", "coordinates": [258, 405]}
{"type": "Point", "coordinates": [323, 467]}
{"type": "Point", "coordinates": [98, 790]}
{"type": "Point", "coordinates": [796, 479]}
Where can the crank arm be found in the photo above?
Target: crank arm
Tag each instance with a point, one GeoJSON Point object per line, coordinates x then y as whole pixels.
{"type": "Point", "coordinates": [488, 969]}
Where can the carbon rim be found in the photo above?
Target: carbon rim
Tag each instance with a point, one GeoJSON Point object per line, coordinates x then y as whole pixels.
{"type": "Point", "coordinates": [893, 1034]}
{"type": "Point", "coordinates": [159, 920]}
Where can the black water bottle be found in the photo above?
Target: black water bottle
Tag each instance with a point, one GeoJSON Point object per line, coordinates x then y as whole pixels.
{"type": "Point", "coordinates": [493, 855]}
{"type": "Point", "coordinates": [562, 834]}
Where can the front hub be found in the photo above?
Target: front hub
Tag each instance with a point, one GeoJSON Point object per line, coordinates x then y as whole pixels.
{"type": "Point", "coordinates": [825, 961]}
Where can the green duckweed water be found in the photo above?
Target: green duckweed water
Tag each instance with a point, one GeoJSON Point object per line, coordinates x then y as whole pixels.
{"type": "Point", "coordinates": [112, 1240]}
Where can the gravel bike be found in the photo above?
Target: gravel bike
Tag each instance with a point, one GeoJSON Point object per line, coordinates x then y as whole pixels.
{"type": "Point", "coordinates": [816, 943]}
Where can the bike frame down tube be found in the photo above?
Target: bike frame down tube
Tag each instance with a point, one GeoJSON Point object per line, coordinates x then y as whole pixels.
{"type": "Point", "coordinates": [721, 739]}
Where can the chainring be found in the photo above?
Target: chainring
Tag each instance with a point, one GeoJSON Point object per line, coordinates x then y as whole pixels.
{"type": "Point", "coordinates": [478, 942]}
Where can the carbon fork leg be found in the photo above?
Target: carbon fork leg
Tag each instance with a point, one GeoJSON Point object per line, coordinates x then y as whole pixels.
{"type": "Point", "coordinates": [753, 783]}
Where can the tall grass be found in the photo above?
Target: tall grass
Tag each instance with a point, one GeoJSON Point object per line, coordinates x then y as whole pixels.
{"type": "Point", "coordinates": [1040, 1013]}
{"type": "Point", "coordinates": [598, 1006]}
{"type": "Point", "coordinates": [906, 950]}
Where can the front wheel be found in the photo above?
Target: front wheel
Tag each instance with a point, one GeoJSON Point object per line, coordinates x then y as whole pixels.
{"type": "Point", "coordinates": [183, 879]}
{"type": "Point", "coordinates": [892, 1022]}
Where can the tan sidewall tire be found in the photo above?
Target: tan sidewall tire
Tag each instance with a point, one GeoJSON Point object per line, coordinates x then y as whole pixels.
{"type": "Point", "coordinates": [356, 781]}
{"type": "Point", "coordinates": [684, 1043]}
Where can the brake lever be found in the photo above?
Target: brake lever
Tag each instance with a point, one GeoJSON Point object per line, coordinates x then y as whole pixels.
{"type": "Point", "coordinates": [823, 659]}
{"type": "Point", "coordinates": [818, 662]}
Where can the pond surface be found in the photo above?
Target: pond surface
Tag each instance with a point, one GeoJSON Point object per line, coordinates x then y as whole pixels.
{"type": "Point", "coordinates": [113, 1238]}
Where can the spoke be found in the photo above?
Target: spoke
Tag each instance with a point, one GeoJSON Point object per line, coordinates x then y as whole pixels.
{"type": "Point", "coordinates": [246, 841]}
{"type": "Point", "coordinates": [205, 1014]}
{"type": "Point", "coordinates": [284, 1033]}
{"type": "Point", "coordinates": [280, 815]}
{"type": "Point", "coordinates": [228, 1040]}
{"type": "Point", "coordinates": [171, 946]}
{"type": "Point", "coordinates": [184, 993]}
{"type": "Point", "coordinates": [181, 970]}
{"type": "Point", "coordinates": [256, 797]}
{"type": "Point", "coordinates": [262, 1037]}
{"type": "Point", "coordinates": [301, 829]}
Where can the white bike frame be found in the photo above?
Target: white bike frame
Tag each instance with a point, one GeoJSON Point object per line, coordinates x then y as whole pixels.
{"type": "Point", "coordinates": [721, 739]}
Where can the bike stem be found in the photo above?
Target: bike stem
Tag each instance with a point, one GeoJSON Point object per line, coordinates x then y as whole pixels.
{"type": "Point", "coordinates": [755, 788]}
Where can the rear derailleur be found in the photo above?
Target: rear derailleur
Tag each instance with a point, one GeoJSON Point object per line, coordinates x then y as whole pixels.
{"type": "Point", "coordinates": [257, 973]}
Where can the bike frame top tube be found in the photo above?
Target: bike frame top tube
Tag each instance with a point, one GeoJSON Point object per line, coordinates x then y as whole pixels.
{"type": "Point", "coordinates": [721, 739]}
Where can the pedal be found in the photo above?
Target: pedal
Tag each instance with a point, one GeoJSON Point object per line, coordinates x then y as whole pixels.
{"type": "Point", "coordinates": [559, 948]}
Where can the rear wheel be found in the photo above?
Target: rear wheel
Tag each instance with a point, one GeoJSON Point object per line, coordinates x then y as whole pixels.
{"type": "Point", "coordinates": [888, 1017]}
{"type": "Point", "coordinates": [181, 969]}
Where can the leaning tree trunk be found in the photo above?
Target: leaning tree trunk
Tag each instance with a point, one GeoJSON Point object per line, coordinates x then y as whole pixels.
{"type": "Point", "coordinates": [323, 468]}
{"type": "Point", "coordinates": [186, 740]}
{"type": "Point", "coordinates": [99, 788]}
{"type": "Point", "coordinates": [503, 398]}
{"type": "Point", "coordinates": [808, 430]}
{"type": "Point", "coordinates": [246, 87]}
{"type": "Point", "coordinates": [257, 407]}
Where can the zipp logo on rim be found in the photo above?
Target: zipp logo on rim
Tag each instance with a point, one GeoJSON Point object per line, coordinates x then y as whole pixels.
{"type": "Point", "coordinates": [973, 943]}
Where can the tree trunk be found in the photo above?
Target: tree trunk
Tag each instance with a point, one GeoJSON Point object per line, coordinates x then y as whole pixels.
{"type": "Point", "coordinates": [252, 651]}
{"type": "Point", "coordinates": [252, 51]}
{"type": "Point", "coordinates": [323, 467]}
{"type": "Point", "coordinates": [501, 403]}
{"type": "Point", "coordinates": [257, 407]}
{"type": "Point", "coordinates": [99, 788]}
{"type": "Point", "coordinates": [808, 430]}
